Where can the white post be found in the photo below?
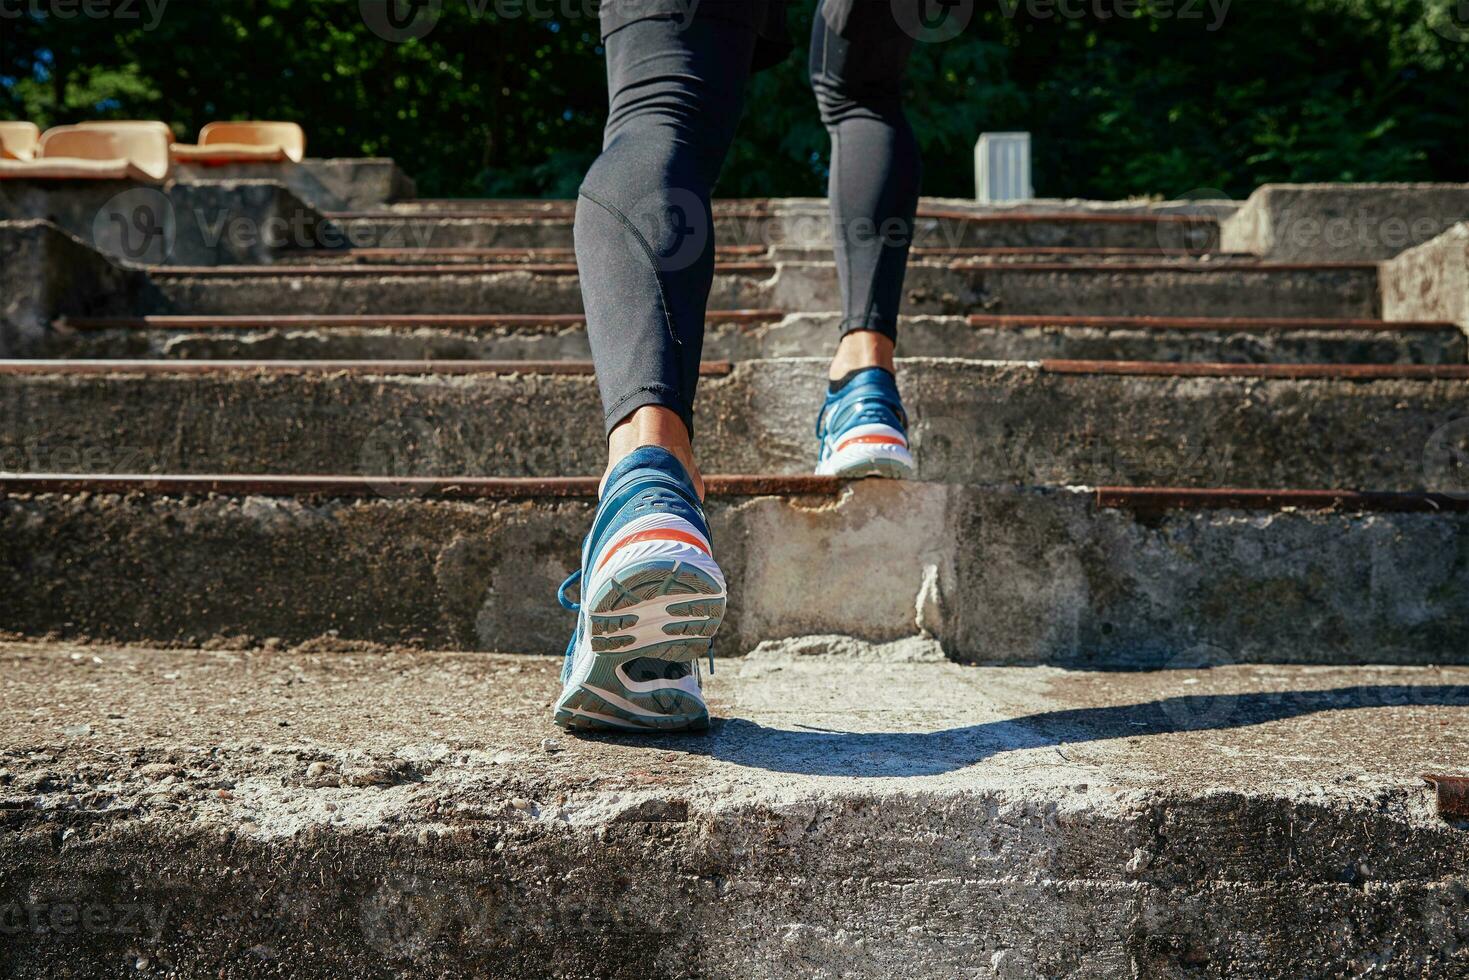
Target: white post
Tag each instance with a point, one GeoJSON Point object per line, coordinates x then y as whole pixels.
{"type": "Point", "coordinates": [1002, 168]}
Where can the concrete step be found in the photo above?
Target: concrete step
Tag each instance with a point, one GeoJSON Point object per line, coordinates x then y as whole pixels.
{"type": "Point", "coordinates": [1248, 289]}
{"type": "Point", "coordinates": [1294, 222]}
{"type": "Point", "coordinates": [1112, 579]}
{"type": "Point", "coordinates": [1382, 427]}
{"type": "Point", "coordinates": [324, 184]}
{"type": "Point", "coordinates": [751, 334]}
{"type": "Point", "coordinates": [373, 814]}
{"type": "Point", "coordinates": [549, 225]}
{"type": "Point", "coordinates": [184, 222]}
{"type": "Point", "coordinates": [739, 253]}
{"type": "Point", "coordinates": [1218, 210]}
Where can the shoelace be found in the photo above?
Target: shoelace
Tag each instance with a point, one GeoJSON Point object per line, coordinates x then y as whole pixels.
{"type": "Point", "coordinates": [566, 603]}
{"type": "Point", "coordinates": [866, 408]}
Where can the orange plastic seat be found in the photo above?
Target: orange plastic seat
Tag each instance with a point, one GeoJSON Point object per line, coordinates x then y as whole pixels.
{"type": "Point", "coordinates": [245, 142]}
{"type": "Point", "coordinates": [81, 153]}
{"type": "Point", "coordinates": [18, 140]}
{"type": "Point", "coordinates": [146, 143]}
{"type": "Point", "coordinates": [126, 125]}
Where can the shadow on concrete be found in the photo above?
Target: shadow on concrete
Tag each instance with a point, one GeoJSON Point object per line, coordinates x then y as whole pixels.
{"type": "Point", "coordinates": [821, 752]}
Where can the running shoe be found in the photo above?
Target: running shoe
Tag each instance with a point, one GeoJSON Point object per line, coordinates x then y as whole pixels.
{"type": "Point", "coordinates": [652, 599]}
{"type": "Point", "coordinates": [863, 429]}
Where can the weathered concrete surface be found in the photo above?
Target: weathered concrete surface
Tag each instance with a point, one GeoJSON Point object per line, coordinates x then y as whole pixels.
{"type": "Point", "coordinates": [239, 813]}
{"type": "Point", "coordinates": [779, 253]}
{"type": "Point", "coordinates": [995, 576]}
{"type": "Point", "coordinates": [1245, 290]}
{"type": "Point", "coordinates": [1343, 222]}
{"type": "Point", "coordinates": [1433, 278]}
{"type": "Point", "coordinates": [802, 226]}
{"type": "Point", "coordinates": [222, 222]}
{"type": "Point", "coordinates": [325, 184]}
{"type": "Point", "coordinates": [794, 335]}
{"type": "Point", "coordinates": [45, 274]}
{"type": "Point", "coordinates": [975, 422]}
{"type": "Point", "coordinates": [1219, 209]}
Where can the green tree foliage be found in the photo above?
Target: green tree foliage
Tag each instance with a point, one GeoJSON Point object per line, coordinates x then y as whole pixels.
{"type": "Point", "coordinates": [1124, 97]}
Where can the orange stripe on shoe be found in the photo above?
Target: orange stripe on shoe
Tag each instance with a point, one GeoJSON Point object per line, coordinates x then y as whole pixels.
{"type": "Point", "coordinates": [872, 441]}
{"type": "Point", "coordinates": [656, 534]}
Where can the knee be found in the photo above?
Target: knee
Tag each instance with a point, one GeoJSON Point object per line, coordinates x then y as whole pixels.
{"type": "Point", "coordinates": [840, 98]}
{"type": "Point", "coordinates": [641, 192]}
{"type": "Point", "coordinates": [831, 98]}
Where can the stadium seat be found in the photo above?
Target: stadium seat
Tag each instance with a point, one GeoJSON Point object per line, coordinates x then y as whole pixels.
{"type": "Point", "coordinates": [131, 125]}
{"type": "Point", "coordinates": [146, 143]}
{"type": "Point", "coordinates": [85, 153]}
{"type": "Point", "coordinates": [245, 142]}
{"type": "Point", "coordinates": [18, 140]}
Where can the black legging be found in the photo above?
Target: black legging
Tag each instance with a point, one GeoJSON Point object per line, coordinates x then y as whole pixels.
{"type": "Point", "coordinates": [644, 229]}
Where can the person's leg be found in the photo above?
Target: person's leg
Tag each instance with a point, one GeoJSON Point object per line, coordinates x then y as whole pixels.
{"type": "Point", "coordinates": [644, 230]}
{"type": "Point", "coordinates": [875, 175]}
{"type": "Point", "coordinates": [651, 594]}
{"type": "Point", "coordinates": [857, 73]}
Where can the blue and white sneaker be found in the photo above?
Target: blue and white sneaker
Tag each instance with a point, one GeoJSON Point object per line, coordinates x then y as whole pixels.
{"type": "Point", "coordinates": [863, 429]}
{"type": "Point", "coordinates": [652, 599]}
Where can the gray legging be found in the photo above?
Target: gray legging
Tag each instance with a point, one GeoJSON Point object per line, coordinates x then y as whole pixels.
{"type": "Point", "coordinates": [644, 230]}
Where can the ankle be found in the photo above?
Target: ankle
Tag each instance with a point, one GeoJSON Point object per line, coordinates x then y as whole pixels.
{"type": "Point", "coordinates": [862, 349]}
{"type": "Point", "coordinates": [653, 425]}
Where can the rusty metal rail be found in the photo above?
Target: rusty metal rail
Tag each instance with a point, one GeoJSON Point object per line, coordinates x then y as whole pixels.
{"type": "Point", "coordinates": [1453, 795]}
{"type": "Point", "coordinates": [1160, 499]}
{"type": "Point", "coordinates": [167, 367]}
{"type": "Point", "coordinates": [347, 487]}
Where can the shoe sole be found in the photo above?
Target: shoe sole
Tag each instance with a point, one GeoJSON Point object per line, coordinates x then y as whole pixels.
{"type": "Point", "coordinates": [664, 608]}
{"type": "Point", "coordinates": [892, 462]}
